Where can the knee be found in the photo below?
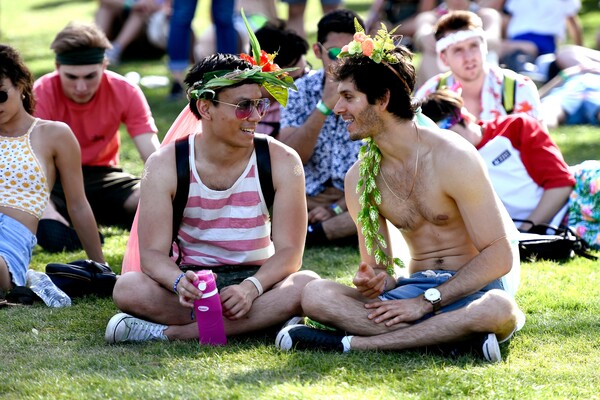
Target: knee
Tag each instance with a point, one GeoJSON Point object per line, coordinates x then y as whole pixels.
{"type": "Point", "coordinates": [314, 295]}
{"type": "Point", "coordinates": [124, 287]}
{"type": "Point", "coordinates": [498, 312]}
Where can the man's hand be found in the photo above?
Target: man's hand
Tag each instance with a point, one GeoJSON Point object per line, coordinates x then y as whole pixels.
{"type": "Point", "coordinates": [367, 283]}
{"type": "Point", "coordinates": [319, 214]}
{"type": "Point", "coordinates": [392, 312]}
{"type": "Point", "coordinates": [187, 291]}
{"type": "Point", "coordinates": [237, 299]}
{"type": "Point", "coordinates": [330, 93]}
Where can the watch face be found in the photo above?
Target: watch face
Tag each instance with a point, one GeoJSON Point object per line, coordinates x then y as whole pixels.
{"type": "Point", "coordinates": [432, 295]}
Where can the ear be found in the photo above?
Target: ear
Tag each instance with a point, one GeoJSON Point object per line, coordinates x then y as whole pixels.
{"type": "Point", "coordinates": [317, 51]}
{"type": "Point", "coordinates": [384, 101]}
{"type": "Point", "coordinates": [442, 57]}
{"type": "Point", "coordinates": [203, 107]}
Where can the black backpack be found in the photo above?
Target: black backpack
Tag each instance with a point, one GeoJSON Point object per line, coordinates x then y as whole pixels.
{"type": "Point", "coordinates": [182, 157]}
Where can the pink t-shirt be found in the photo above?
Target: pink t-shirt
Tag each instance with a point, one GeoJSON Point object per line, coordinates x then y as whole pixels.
{"type": "Point", "coordinates": [96, 123]}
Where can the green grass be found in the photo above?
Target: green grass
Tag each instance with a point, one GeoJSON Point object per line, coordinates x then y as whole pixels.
{"type": "Point", "coordinates": [60, 353]}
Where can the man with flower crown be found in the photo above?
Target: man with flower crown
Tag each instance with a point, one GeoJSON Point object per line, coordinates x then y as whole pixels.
{"type": "Point", "coordinates": [433, 187]}
{"type": "Point", "coordinates": [226, 226]}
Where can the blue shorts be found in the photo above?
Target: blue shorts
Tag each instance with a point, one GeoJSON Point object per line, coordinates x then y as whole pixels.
{"type": "Point", "coordinates": [579, 97]}
{"type": "Point", "coordinates": [323, 2]}
{"type": "Point", "coordinates": [419, 282]}
{"type": "Point", "coordinates": [16, 245]}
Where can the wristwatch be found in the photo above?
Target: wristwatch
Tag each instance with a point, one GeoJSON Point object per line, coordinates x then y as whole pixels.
{"type": "Point", "coordinates": [433, 296]}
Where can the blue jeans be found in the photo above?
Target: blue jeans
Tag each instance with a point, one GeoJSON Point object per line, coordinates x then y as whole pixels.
{"type": "Point", "coordinates": [180, 30]}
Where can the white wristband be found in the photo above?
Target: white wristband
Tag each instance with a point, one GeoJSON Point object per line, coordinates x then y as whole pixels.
{"type": "Point", "coordinates": [256, 283]}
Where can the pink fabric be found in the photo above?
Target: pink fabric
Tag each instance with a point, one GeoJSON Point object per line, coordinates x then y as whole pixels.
{"type": "Point", "coordinates": [185, 124]}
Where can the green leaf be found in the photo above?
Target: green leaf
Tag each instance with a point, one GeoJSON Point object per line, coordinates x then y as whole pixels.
{"type": "Point", "coordinates": [254, 44]}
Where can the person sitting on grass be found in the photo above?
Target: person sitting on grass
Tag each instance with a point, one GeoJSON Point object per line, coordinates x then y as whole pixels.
{"type": "Point", "coordinates": [33, 153]}
{"type": "Point", "coordinates": [225, 225]}
{"type": "Point", "coordinates": [434, 188]}
{"type": "Point", "coordinates": [93, 102]}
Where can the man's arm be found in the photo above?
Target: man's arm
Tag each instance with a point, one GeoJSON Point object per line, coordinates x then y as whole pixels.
{"type": "Point", "coordinates": [158, 187]}
{"type": "Point", "coordinates": [68, 165]}
{"type": "Point", "coordinates": [486, 221]}
{"type": "Point", "coordinates": [146, 144]}
{"type": "Point", "coordinates": [303, 138]}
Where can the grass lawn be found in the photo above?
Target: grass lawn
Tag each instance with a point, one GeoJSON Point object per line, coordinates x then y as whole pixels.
{"type": "Point", "coordinates": [60, 353]}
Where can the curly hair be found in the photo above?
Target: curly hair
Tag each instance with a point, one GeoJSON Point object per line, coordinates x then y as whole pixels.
{"type": "Point", "coordinates": [375, 80]}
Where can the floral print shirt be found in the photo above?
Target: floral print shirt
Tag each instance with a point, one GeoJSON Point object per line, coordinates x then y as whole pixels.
{"type": "Point", "coordinates": [527, 99]}
{"type": "Point", "coordinates": [334, 152]}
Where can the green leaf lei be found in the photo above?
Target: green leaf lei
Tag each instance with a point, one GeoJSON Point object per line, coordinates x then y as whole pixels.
{"type": "Point", "coordinates": [378, 49]}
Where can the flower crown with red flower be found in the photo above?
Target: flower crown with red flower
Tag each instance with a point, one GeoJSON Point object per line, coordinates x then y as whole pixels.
{"type": "Point", "coordinates": [264, 72]}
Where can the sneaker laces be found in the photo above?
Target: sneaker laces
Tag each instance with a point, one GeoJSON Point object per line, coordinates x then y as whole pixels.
{"type": "Point", "coordinates": [140, 330]}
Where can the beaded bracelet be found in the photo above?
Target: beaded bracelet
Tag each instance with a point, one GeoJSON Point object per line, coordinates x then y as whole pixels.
{"type": "Point", "coordinates": [177, 282]}
{"type": "Point", "coordinates": [322, 107]}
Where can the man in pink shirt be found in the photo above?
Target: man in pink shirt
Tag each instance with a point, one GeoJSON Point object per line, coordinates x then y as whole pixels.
{"type": "Point", "coordinates": [93, 102]}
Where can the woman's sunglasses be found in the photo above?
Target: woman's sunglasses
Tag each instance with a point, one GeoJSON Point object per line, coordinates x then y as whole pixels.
{"type": "Point", "coordinates": [3, 95]}
{"type": "Point", "coordinates": [332, 53]}
{"type": "Point", "coordinates": [243, 109]}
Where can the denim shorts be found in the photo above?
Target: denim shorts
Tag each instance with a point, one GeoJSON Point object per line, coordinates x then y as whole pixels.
{"type": "Point", "coordinates": [16, 245]}
{"type": "Point", "coordinates": [419, 282]}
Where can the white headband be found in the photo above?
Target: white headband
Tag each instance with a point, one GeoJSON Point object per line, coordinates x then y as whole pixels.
{"type": "Point", "coordinates": [458, 36]}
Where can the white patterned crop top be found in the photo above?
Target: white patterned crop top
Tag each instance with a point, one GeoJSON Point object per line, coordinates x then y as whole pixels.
{"type": "Point", "coordinates": [23, 183]}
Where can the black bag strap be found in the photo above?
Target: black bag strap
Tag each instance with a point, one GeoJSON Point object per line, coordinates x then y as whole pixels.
{"type": "Point", "coordinates": [182, 160]}
{"type": "Point", "coordinates": [263, 162]}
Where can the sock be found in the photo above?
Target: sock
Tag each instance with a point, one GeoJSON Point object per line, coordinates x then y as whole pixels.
{"type": "Point", "coordinates": [346, 342]}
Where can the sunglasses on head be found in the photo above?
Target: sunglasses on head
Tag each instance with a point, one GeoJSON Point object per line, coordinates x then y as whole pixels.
{"type": "Point", "coordinates": [243, 109]}
{"type": "Point", "coordinates": [332, 52]}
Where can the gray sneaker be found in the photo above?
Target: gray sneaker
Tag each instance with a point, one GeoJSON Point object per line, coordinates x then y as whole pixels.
{"type": "Point", "coordinates": [125, 328]}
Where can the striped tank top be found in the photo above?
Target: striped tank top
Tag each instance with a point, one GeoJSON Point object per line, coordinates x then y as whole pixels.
{"type": "Point", "coordinates": [23, 183]}
{"type": "Point", "coordinates": [225, 227]}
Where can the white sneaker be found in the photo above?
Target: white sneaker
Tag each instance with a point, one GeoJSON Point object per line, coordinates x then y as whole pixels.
{"type": "Point", "coordinates": [125, 328]}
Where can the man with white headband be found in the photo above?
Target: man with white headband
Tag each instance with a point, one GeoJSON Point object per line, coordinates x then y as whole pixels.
{"type": "Point", "coordinates": [461, 46]}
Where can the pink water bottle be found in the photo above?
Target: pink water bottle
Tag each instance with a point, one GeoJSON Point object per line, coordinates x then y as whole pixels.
{"type": "Point", "coordinates": [208, 311]}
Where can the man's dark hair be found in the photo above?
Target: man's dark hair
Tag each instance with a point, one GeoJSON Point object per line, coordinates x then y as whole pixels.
{"type": "Point", "coordinates": [274, 37]}
{"type": "Point", "coordinates": [214, 62]}
{"type": "Point", "coordinates": [13, 68]}
{"type": "Point", "coordinates": [338, 21]}
{"type": "Point", "coordinates": [376, 79]}
{"type": "Point", "coordinates": [443, 103]}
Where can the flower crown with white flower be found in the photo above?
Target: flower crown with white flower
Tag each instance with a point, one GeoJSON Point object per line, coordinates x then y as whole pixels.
{"type": "Point", "coordinates": [379, 50]}
{"type": "Point", "coordinates": [264, 72]}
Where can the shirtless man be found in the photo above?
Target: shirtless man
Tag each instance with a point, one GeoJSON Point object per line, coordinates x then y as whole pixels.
{"type": "Point", "coordinates": [434, 188]}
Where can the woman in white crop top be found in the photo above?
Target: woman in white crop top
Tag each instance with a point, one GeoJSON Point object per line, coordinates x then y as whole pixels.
{"type": "Point", "coordinates": [33, 153]}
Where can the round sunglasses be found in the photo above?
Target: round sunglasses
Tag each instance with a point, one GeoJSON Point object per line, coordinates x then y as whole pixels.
{"type": "Point", "coordinates": [332, 52]}
{"type": "Point", "coordinates": [4, 95]}
{"type": "Point", "coordinates": [243, 109]}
